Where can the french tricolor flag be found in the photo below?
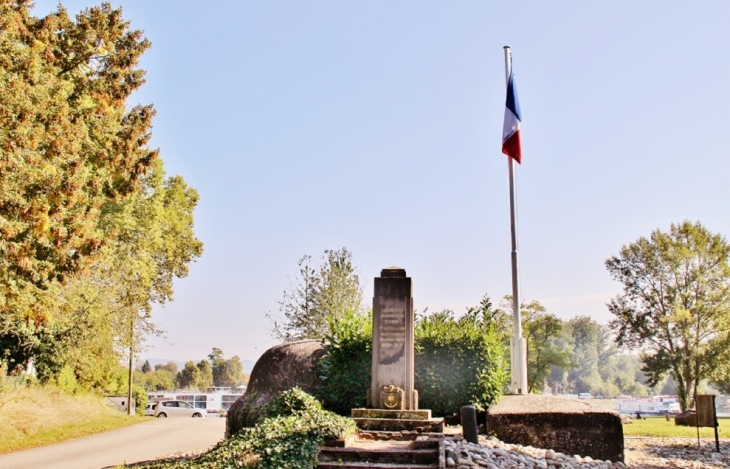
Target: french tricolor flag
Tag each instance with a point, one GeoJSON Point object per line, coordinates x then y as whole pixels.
{"type": "Point", "coordinates": [511, 145]}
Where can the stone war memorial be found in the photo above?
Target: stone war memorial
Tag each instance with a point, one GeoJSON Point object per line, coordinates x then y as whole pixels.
{"type": "Point", "coordinates": [392, 398]}
{"type": "Point", "coordinates": [393, 431]}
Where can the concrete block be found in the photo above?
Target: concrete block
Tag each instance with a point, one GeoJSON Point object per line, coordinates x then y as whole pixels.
{"type": "Point", "coordinates": [567, 425]}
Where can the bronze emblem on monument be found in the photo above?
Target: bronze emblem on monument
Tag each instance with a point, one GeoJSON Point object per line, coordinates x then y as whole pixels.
{"type": "Point", "coordinates": [392, 397]}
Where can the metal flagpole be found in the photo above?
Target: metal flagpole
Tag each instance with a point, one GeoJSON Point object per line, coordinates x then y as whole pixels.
{"type": "Point", "coordinates": [517, 343]}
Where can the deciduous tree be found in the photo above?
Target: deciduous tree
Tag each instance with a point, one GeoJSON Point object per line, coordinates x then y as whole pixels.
{"type": "Point", "coordinates": [675, 304]}
{"type": "Point", "coordinates": [542, 332]}
{"type": "Point", "coordinates": [69, 143]}
{"type": "Point", "coordinates": [189, 377]}
{"type": "Point", "coordinates": [91, 231]}
{"type": "Point", "coordinates": [329, 290]}
{"type": "Point", "coordinates": [226, 373]}
{"type": "Point", "coordinates": [205, 379]}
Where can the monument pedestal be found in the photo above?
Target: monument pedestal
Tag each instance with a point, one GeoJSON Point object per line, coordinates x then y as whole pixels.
{"type": "Point", "coordinates": [384, 420]}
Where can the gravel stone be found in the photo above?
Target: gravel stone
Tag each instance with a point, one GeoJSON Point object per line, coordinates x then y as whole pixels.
{"type": "Point", "coordinates": [640, 453]}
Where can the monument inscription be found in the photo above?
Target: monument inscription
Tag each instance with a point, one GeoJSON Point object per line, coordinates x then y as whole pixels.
{"type": "Point", "coordinates": [392, 332]}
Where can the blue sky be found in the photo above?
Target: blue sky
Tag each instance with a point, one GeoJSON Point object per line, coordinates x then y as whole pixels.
{"type": "Point", "coordinates": [377, 125]}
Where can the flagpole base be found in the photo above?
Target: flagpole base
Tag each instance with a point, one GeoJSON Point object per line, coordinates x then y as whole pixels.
{"type": "Point", "coordinates": [518, 360]}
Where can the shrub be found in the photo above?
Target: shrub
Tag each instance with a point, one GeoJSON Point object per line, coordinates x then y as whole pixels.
{"type": "Point", "coordinates": [292, 402]}
{"type": "Point", "coordinates": [458, 361]}
{"type": "Point", "coordinates": [66, 380]}
{"type": "Point", "coordinates": [344, 371]}
{"type": "Point", "coordinates": [140, 398]}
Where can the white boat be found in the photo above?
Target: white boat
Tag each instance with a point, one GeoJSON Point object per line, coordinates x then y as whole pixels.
{"type": "Point", "coordinates": [213, 401]}
{"type": "Point", "coordinates": [657, 405]}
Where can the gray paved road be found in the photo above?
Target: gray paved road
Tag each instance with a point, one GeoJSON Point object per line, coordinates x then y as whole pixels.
{"type": "Point", "coordinates": [145, 441]}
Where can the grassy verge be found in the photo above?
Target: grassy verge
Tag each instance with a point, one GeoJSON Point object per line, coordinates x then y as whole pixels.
{"type": "Point", "coordinates": [659, 427]}
{"type": "Point", "coordinates": [38, 416]}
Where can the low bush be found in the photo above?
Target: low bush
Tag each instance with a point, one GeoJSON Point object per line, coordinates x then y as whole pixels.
{"type": "Point", "coordinates": [139, 394]}
{"type": "Point", "coordinates": [344, 371]}
{"type": "Point", "coordinates": [290, 437]}
{"type": "Point", "coordinates": [458, 362]}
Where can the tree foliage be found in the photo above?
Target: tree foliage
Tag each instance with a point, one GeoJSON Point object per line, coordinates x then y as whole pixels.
{"type": "Point", "coordinates": [92, 232]}
{"type": "Point", "coordinates": [68, 144]}
{"type": "Point", "coordinates": [675, 304]}
{"type": "Point", "coordinates": [205, 378]}
{"type": "Point", "coordinates": [189, 376]}
{"type": "Point", "coordinates": [226, 373]}
{"type": "Point", "coordinates": [544, 351]}
{"type": "Point", "coordinates": [328, 290]}
{"type": "Point", "coordinates": [590, 353]}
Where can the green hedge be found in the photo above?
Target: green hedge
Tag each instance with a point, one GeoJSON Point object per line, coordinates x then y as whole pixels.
{"type": "Point", "coordinates": [344, 370]}
{"type": "Point", "coordinates": [458, 361]}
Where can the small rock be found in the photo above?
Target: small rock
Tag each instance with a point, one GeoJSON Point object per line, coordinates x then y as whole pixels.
{"type": "Point", "coordinates": [550, 454]}
{"type": "Point", "coordinates": [450, 462]}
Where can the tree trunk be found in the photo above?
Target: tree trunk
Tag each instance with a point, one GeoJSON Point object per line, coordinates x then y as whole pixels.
{"type": "Point", "coordinates": [681, 391]}
{"type": "Point", "coordinates": [131, 366]}
{"type": "Point", "coordinates": [129, 389]}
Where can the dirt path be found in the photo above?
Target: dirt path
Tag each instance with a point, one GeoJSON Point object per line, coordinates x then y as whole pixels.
{"type": "Point", "coordinates": [150, 440]}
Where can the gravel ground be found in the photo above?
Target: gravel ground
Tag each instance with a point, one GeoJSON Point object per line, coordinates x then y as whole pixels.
{"type": "Point", "coordinates": [641, 453]}
{"type": "Point", "coordinates": [657, 453]}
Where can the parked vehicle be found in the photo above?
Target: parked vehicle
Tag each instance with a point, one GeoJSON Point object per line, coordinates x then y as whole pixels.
{"type": "Point", "coordinates": [585, 395]}
{"type": "Point", "coordinates": [657, 405]}
{"type": "Point", "coordinates": [214, 402]}
{"type": "Point", "coordinates": [166, 409]}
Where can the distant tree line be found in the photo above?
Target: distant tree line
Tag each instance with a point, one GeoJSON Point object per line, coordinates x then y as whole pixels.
{"type": "Point", "coordinates": [215, 371]}
{"type": "Point", "coordinates": [670, 332]}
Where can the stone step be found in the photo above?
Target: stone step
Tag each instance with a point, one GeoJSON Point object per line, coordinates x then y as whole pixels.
{"type": "Point", "coordinates": [422, 453]}
{"type": "Point", "coordinates": [368, 465]}
{"type": "Point", "coordinates": [433, 425]}
{"type": "Point", "coordinates": [403, 435]}
{"type": "Point", "coordinates": [405, 455]}
{"type": "Point", "coordinates": [423, 414]}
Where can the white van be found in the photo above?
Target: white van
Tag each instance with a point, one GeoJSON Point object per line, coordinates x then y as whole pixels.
{"type": "Point", "coordinates": [166, 409]}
